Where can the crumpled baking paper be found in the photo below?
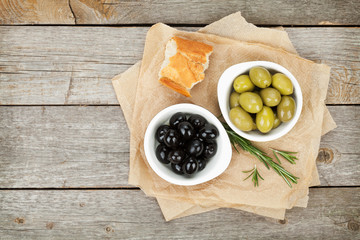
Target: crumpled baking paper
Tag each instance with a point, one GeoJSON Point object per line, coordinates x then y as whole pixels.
{"type": "Point", "coordinates": [267, 44]}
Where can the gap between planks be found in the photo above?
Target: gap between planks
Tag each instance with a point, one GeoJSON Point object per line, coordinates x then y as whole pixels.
{"type": "Point", "coordinates": [175, 25]}
{"type": "Point", "coordinates": [120, 188]}
{"type": "Point", "coordinates": [115, 105]}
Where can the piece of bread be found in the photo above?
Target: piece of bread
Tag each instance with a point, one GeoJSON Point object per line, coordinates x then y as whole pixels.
{"type": "Point", "coordinates": [184, 64]}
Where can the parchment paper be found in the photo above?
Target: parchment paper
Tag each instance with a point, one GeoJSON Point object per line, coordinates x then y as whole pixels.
{"type": "Point", "coordinates": [127, 100]}
{"type": "Point", "coordinates": [304, 137]}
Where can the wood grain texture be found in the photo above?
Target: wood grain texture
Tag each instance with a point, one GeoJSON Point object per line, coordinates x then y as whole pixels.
{"type": "Point", "coordinates": [338, 51]}
{"type": "Point", "coordinates": [278, 12]}
{"type": "Point", "coordinates": [72, 65]}
{"type": "Point", "coordinates": [63, 147]}
{"type": "Point", "coordinates": [128, 214]}
{"type": "Point", "coordinates": [36, 12]}
{"type": "Point", "coordinates": [76, 147]}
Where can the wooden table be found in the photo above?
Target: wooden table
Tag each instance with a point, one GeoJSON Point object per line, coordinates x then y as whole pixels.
{"type": "Point", "coordinates": [64, 143]}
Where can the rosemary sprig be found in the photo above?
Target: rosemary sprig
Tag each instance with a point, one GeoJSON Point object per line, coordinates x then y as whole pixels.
{"type": "Point", "coordinates": [246, 145]}
{"type": "Point", "coordinates": [255, 176]}
{"type": "Point", "coordinates": [287, 155]}
{"type": "Point", "coordinates": [259, 154]}
{"type": "Point", "coordinates": [283, 173]}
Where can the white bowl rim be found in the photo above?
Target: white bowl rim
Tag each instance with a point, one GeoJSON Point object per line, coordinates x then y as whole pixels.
{"type": "Point", "coordinates": [234, 71]}
{"type": "Point", "coordinates": [173, 177]}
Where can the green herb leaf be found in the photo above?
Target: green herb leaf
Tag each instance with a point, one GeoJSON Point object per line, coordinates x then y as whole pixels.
{"type": "Point", "coordinates": [246, 145]}
{"type": "Point", "coordinates": [255, 176]}
{"type": "Point", "coordinates": [287, 155]}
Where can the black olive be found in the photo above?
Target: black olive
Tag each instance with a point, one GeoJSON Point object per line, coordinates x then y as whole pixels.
{"type": "Point", "coordinates": [210, 149]}
{"type": "Point", "coordinates": [195, 147]}
{"type": "Point", "coordinates": [162, 153]}
{"type": "Point", "coordinates": [197, 136]}
{"type": "Point", "coordinates": [208, 132]}
{"type": "Point", "coordinates": [187, 144]}
{"type": "Point", "coordinates": [177, 168]}
{"type": "Point", "coordinates": [176, 156]}
{"type": "Point", "coordinates": [186, 130]}
{"type": "Point", "coordinates": [172, 138]}
{"type": "Point", "coordinates": [197, 121]}
{"type": "Point", "coordinates": [182, 143]}
{"type": "Point", "coordinates": [176, 119]}
{"type": "Point", "coordinates": [190, 166]}
{"type": "Point", "coordinates": [202, 163]}
{"type": "Point", "coordinates": [160, 133]}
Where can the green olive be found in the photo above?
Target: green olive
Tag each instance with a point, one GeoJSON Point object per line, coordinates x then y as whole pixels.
{"type": "Point", "coordinates": [234, 99]}
{"type": "Point", "coordinates": [254, 126]}
{"type": "Point", "coordinates": [276, 121]}
{"type": "Point", "coordinates": [241, 119]}
{"type": "Point", "coordinates": [242, 84]}
{"type": "Point", "coordinates": [251, 102]}
{"type": "Point", "coordinates": [282, 83]}
{"type": "Point", "coordinates": [286, 109]}
{"type": "Point", "coordinates": [260, 77]}
{"type": "Point", "coordinates": [270, 96]}
{"type": "Point", "coordinates": [265, 119]}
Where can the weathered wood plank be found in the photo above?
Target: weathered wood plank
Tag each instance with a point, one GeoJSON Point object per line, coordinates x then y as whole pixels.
{"type": "Point", "coordinates": [332, 49]}
{"type": "Point", "coordinates": [49, 144]}
{"type": "Point", "coordinates": [76, 147]}
{"type": "Point", "coordinates": [70, 65]}
{"type": "Point", "coordinates": [278, 12]}
{"type": "Point", "coordinates": [36, 12]}
{"type": "Point", "coordinates": [332, 213]}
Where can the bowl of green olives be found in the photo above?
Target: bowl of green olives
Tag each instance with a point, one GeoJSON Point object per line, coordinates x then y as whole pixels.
{"type": "Point", "coordinates": [186, 145]}
{"type": "Point", "coordinates": [261, 101]}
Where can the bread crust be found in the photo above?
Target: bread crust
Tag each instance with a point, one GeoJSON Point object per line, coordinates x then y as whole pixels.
{"type": "Point", "coordinates": [195, 51]}
{"type": "Point", "coordinates": [185, 67]}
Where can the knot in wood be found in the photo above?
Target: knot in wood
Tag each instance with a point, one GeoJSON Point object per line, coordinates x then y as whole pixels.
{"type": "Point", "coordinates": [325, 155]}
{"type": "Point", "coordinates": [108, 229]}
{"type": "Point", "coordinates": [353, 226]}
{"type": "Point", "coordinates": [284, 221]}
{"type": "Point", "coordinates": [19, 220]}
{"type": "Point", "coordinates": [50, 225]}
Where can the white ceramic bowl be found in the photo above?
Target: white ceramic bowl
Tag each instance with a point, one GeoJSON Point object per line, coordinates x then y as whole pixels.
{"type": "Point", "coordinates": [224, 89]}
{"type": "Point", "coordinates": [214, 167]}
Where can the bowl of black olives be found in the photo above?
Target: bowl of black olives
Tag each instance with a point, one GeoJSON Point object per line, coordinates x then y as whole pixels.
{"type": "Point", "coordinates": [261, 101]}
{"type": "Point", "coordinates": [186, 144]}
